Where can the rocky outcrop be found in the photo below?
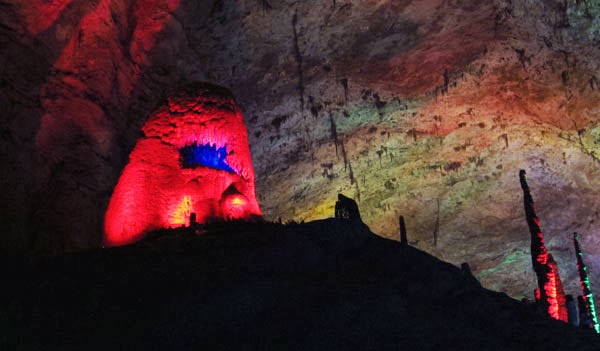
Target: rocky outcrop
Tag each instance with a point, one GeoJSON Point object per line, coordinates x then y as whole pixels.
{"type": "Point", "coordinates": [424, 108]}
{"type": "Point", "coordinates": [346, 208]}
{"type": "Point", "coordinates": [328, 285]}
{"type": "Point", "coordinates": [193, 159]}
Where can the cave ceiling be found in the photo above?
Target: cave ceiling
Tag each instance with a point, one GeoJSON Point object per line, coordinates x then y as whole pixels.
{"type": "Point", "coordinates": [426, 109]}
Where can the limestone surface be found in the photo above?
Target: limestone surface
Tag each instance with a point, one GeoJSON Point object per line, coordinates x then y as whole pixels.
{"type": "Point", "coordinates": [426, 109]}
{"type": "Point", "coordinates": [193, 160]}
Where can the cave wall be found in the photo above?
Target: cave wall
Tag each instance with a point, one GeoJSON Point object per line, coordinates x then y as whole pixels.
{"type": "Point", "coordinates": [425, 109]}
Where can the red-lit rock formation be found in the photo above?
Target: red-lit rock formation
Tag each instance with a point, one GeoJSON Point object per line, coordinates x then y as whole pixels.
{"type": "Point", "coordinates": [555, 293]}
{"type": "Point", "coordinates": [552, 295]}
{"type": "Point", "coordinates": [193, 158]}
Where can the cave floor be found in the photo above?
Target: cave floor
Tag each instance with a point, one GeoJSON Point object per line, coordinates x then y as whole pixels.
{"type": "Point", "coordinates": [329, 284]}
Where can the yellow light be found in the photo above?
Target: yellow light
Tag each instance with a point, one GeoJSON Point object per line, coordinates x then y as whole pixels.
{"type": "Point", "coordinates": [181, 214]}
{"type": "Point", "coordinates": [237, 201]}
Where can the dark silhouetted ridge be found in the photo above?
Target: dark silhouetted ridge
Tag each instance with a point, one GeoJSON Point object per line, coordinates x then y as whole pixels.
{"type": "Point", "coordinates": [324, 285]}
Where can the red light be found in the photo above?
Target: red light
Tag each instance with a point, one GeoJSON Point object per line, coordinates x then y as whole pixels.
{"type": "Point", "coordinates": [555, 294]}
{"type": "Point", "coordinates": [235, 206]}
{"type": "Point", "coordinates": [39, 15]}
{"type": "Point", "coordinates": [156, 190]}
{"type": "Point", "coordinates": [550, 293]}
{"type": "Point", "coordinates": [87, 64]}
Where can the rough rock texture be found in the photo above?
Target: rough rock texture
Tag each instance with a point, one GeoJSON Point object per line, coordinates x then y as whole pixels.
{"type": "Point", "coordinates": [324, 285]}
{"type": "Point", "coordinates": [550, 293]}
{"type": "Point", "coordinates": [425, 109]}
{"type": "Point", "coordinates": [193, 159]}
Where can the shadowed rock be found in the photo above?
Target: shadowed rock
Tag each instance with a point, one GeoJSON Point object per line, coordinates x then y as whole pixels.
{"type": "Point", "coordinates": [323, 285]}
{"type": "Point", "coordinates": [347, 208]}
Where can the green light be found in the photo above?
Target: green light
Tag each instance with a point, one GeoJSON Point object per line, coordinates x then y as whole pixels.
{"type": "Point", "coordinates": [585, 283]}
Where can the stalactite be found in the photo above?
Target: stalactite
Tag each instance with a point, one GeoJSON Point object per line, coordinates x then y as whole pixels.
{"type": "Point", "coordinates": [552, 296]}
{"type": "Point", "coordinates": [344, 82]}
{"type": "Point", "coordinates": [347, 165]}
{"type": "Point", "coordinates": [357, 190]}
{"type": "Point", "coordinates": [334, 135]}
{"type": "Point", "coordinates": [588, 297]}
{"type": "Point", "coordinates": [298, 56]}
{"type": "Point", "coordinates": [436, 229]}
{"type": "Point", "coordinates": [444, 88]}
{"type": "Point", "coordinates": [265, 5]}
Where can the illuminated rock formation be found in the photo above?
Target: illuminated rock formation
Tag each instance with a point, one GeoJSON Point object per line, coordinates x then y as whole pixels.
{"type": "Point", "coordinates": [555, 293]}
{"type": "Point", "coordinates": [589, 306]}
{"type": "Point", "coordinates": [552, 295]}
{"type": "Point", "coordinates": [193, 159]}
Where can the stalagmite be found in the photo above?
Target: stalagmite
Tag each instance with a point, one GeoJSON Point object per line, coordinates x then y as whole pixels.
{"type": "Point", "coordinates": [585, 319]}
{"type": "Point", "coordinates": [403, 238]}
{"type": "Point", "coordinates": [194, 158]}
{"type": "Point", "coordinates": [588, 298]}
{"type": "Point", "coordinates": [555, 292]}
{"type": "Point", "coordinates": [572, 311]}
{"type": "Point", "coordinates": [552, 296]}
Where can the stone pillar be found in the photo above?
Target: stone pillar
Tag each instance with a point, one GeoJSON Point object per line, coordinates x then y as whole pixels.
{"type": "Point", "coordinates": [552, 297]}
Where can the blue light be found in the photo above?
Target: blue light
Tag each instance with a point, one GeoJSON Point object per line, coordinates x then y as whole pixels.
{"type": "Point", "coordinates": [194, 155]}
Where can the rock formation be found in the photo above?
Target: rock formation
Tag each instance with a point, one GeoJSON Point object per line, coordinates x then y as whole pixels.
{"type": "Point", "coordinates": [193, 159]}
{"type": "Point", "coordinates": [403, 237]}
{"type": "Point", "coordinates": [420, 108]}
{"type": "Point", "coordinates": [588, 306]}
{"type": "Point", "coordinates": [552, 295]}
{"type": "Point", "coordinates": [347, 208]}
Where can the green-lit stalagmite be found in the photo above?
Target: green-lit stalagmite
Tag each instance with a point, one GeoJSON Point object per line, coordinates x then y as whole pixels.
{"type": "Point", "coordinates": [584, 281]}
